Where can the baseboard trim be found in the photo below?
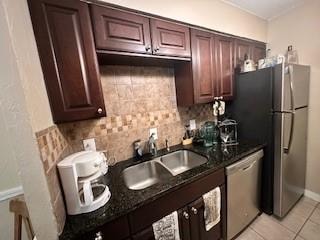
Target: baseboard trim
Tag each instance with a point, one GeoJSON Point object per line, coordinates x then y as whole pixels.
{"type": "Point", "coordinates": [312, 195]}
{"type": "Point", "coordinates": [10, 193]}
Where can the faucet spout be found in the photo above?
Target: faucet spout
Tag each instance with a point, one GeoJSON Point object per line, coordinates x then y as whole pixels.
{"type": "Point", "coordinates": [152, 145]}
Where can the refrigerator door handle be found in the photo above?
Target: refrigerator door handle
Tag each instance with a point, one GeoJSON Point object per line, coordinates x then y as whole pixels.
{"type": "Point", "coordinates": [287, 149]}
{"type": "Point", "coordinates": [291, 88]}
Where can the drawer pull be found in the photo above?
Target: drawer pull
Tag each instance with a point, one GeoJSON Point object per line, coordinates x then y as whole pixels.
{"type": "Point", "coordinates": [186, 215]}
{"type": "Point", "coordinates": [194, 210]}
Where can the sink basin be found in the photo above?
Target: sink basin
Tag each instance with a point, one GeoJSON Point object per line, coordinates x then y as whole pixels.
{"type": "Point", "coordinates": [145, 174]}
{"type": "Point", "coordinates": [181, 161]}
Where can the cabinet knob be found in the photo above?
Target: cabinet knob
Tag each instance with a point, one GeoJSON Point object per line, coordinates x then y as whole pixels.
{"type": "Point", "coordinates": [156, 49]}
{"type": "Point", "coordinates": [194, 210]}
{"type": "Point", "coordinates": [99, 111]}
{"type": "Point", "coordinates": [186, 215]}
{"type": "Point", "coordinates": [98, 236]}
{"type": "Point", "coordinates": [148, 47]}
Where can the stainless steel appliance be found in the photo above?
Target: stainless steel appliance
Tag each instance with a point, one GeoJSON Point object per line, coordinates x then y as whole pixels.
{"type": "Point", "coordinates": [243, 191]}
{"type": "Point", "coordinates": [291, 97]}
{"type": "Point", "coordinates": [272, 106]}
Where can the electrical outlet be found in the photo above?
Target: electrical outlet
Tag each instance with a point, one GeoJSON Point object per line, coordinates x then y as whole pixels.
{"type": "Point", "coordinates": [89, 144]}
{"type": "Point", "coordinates": [155, 131]}
{"type": "Point", "coordinates": [193, 125]}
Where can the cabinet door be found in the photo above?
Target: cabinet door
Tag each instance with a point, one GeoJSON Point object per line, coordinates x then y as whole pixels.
{"type": "Point", "coordinates": [184, 223]}
{"type": "Point", "coordinates": [224, 48]}
{"type": "Point", "coordinates": [184, 228]}
{"type": "Point", "coordinates": [67, 53]}
{"type": "Point", "coordinates": [197, 222]}
{"type": "Point", "coordinates": [258, 52]}
{"type": "Point", "coordinates": [170, 39]}
{"type": "Point", "coordinates": [203, 66]}
{"type": "Point", "coordinates": [120, 31]}
{"type": "Point", "coordinates": [242, 49]}
{"type": "Point", "coordinates": [115, 230]}
{"type": "Point", "coordinates": [146, 234]}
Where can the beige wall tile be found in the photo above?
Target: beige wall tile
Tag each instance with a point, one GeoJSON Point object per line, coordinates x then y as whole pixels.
{"type": "Point", "coordinates": [137, 98]}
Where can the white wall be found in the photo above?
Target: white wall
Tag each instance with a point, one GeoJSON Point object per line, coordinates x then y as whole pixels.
{"type": "Point", "coordinates": [213, 14]}
{"type": "Point", "coordinates": [18, 143]}
{"type": "Point", "coordinates": [29, 68]}
{"type": "Point", "coordinates": [300, 28]}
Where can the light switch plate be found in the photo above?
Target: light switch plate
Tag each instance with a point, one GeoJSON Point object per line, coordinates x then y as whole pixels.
{"type": "Point", "coordinates": [193, 125]}
{"type": "Point", "coordinates": [155, 131]}
{"type": "Point", "coordinates": [89, 144]}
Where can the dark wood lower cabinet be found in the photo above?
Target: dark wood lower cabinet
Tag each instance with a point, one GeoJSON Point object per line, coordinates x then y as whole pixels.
{"type": "Point", "coordinates": [192, 223]}
{"type": "Point", "coordinates": [186, 200]}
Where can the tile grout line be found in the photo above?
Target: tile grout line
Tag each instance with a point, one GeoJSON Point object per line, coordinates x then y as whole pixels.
{"type": "Point", "coordinates": [298, 234]}
{"type": "Point", "coordinates": [257, 232]}
{"type": "Point", "coordinates": [279, 223]}
{"type": "Point", "coordinates": [307, 218]}
{"type": "Point", "coordinates": [317, 207]}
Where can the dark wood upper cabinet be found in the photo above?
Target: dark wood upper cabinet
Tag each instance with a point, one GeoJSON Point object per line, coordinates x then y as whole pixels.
{"type": "Point", "coordinates": [203, 66]}
{"type": "Point", "coordinates": [225, 67]}
{"type": "Point", "coordinates": [170, 39]}
{"type": "Point", "coordinates": [258, 52]}
{"type": "Point", "coordinates": [253, 50]}
{"type": "Point", "coordinates": [67, 53]}
{"type": "Point", "coordinates": [241, 49]}
{"type": "Point", "coordinates": [121, 31]}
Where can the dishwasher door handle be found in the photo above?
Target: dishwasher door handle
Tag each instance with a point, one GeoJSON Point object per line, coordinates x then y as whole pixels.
{"type": "Point", "coordinates": [245, 163]}
{"type": "Point", "coordinates": [248, 167]}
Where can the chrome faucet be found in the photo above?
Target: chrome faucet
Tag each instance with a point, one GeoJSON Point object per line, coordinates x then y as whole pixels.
{"type": "Point", "coordinates": [152, 145]}
{"type": "Point", "coordinates": [167, 145]}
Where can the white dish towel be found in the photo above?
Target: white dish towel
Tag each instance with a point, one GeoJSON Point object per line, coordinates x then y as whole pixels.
{"type": "Point", "coordinates": [212, 207]}
{"type": "Point", "coordinates": [167, 228]}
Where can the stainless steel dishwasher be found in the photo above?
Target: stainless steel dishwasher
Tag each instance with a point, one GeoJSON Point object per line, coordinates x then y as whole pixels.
{"type": "Point", "coordinates": [243, 192]}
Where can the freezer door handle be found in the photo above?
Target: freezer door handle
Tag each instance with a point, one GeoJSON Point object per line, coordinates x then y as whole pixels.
{"type": "Point", "coordinates": [291, 88]}
{"type": "Point", "coordinates": [287, 149]}
{"type": "Point", "coordinates": [292, 111]}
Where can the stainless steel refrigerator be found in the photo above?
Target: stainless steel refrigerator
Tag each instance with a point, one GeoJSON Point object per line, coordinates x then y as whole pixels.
{"type": "Point", "coordinates": [271, 106]}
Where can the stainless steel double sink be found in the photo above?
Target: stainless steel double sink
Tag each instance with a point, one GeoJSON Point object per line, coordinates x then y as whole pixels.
{"type": "Point", "coordinates": [148, 173]}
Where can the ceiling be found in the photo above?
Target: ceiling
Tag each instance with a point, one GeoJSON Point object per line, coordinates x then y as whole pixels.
{"type": "Point", "coordinates": [266, 9]}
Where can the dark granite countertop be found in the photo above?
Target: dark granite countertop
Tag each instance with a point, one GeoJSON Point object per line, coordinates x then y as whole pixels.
{"type": "Point", "coordinates": [124, 200]}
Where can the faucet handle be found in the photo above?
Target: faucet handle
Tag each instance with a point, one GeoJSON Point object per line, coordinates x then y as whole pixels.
{"type": "Point", "coordinates": [167, 144]}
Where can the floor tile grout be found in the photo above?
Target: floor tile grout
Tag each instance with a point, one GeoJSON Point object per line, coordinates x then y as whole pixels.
{"type": "Point", "coordinates": [257, 233]}
{"type": "Point", "coordinates": [307, 219]}
{"type": "Point", "coordinates": [296, 235]}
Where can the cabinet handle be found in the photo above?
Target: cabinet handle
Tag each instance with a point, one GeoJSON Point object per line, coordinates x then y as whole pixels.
{"type": "Point", "coordinates": [99, 111]}
{"type": "Point", "coordinates": [156, 49]}
{"type": "Point", "coordinates": [98, 236]}
{"type": "Point", "coordinates": [186, 215]}
{"type": "Point", "coordinates": [194, 210]}
{"type": "Point", "coordinates": [148, 48]}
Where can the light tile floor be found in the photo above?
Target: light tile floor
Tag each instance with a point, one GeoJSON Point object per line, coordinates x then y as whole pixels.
{"type": "Point", "coordinates": [302, 223]}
